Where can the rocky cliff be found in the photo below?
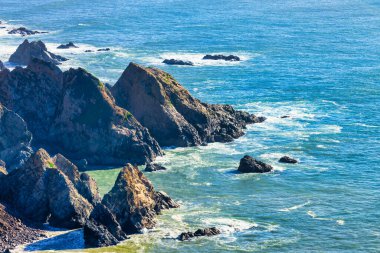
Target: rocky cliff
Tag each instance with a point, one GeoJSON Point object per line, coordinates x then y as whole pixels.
{"type": "Point", "coordinates": [73, 113]}
{"type": "Point", "coordinates": [171, 114]}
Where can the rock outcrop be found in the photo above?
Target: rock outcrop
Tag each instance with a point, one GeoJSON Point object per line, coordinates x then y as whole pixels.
{"type": "Point", "coordinates": [150, 167]}
{"type": "Point", "coordinates": [24, 31]}
{"type": "Point", "coordinates": [134, 201]}
{"type": "Point", "coordinates": [15, 139]}
{"type": "Point", "coordinates": [42, 192]}
{"type": "Point", "coordinates": [2, 66]}
{"type": "Point", "coordinates": [221, 57]}
{"type": "Point", "coordinates": [251, 165]}
{"type": "Point", "coordinates": [177, 62]}
{"type": "Point", "coordinates": [67, 46]}
{"type": "Point", "coordinates": [287, 159]}
{"type": "Point", "coordinates": [35, 49]}
{"type": "Point", "coordinates": [200, 232]}
{"type": "Point", "coordinates": [13, 231]}
{"type": "Point", "coordinates": [74, 114]}
{"type": "Point", "coordinates": [171, 114]}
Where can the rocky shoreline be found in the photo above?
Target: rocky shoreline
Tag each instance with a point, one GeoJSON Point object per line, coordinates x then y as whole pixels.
{"type": "Point", "coordinates": [121, 125]}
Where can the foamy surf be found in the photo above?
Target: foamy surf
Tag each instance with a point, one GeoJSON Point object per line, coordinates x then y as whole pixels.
{"type": "Point", "coordinates": [289, 209]}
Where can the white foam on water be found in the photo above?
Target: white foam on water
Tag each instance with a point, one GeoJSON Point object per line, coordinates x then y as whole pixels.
{"type": "Point", "coordinates": [340, 222]}
{"type": "Point", "coordinates": [365, 125]}
{"type": "Point", "coordinates": [196, 58]}
{"type": "Point", "coordinates": [229, 225]}
{"type": "Point", "coordinates": [289, 209]}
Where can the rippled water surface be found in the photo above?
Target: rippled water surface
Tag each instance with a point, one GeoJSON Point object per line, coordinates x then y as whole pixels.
{"type": "Point", "coordinates": [316, 61]}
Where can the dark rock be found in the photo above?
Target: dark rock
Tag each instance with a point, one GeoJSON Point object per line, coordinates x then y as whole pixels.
{"type": "Point", "coordinates": [14, 231]}
{"type": "Point", "coordinates": [40, 190]}
{"type": "Point", "coordinates": [163, 201]}
{"type": "Point", "coordinates": [15, 139]}
{"type": "Point", "coordinates": [285, 116]}
{"type": "Point", "coordinates": [78, 106]}
{"type": "Point", "coordinates": [133, 200]}
{"type": "Point", "coordinates": [177, 62]}
{"type": "Point", "coordinates": [221, 57]}
{"type": "Point", "coordinates": [2, 67]}
{"type": "Point", "coordinates": [103, 49]}
{"type": "Point", "coordinates": [35, 49]}
{"type": "Point", "coordinates": [251, 165]}
{"type": "Point", "coordinates": [88, 188]}
{"type": "Point", "coordinates": [89, 51]}
{"type": "Point", "coordinates": [200, 232]}
{"type": "Point", "coordinates": [287, 159]}
{"type": "Point", "coordinates": [67, 46]}
{"type": "Point", "coordinates": [150, 167]}
{"type": "Point", "coordinates": [171, 114]}
{"type": "Point", "coordinates": [82, 164]}
{"type": "Point", "coordinates": [24, 32]}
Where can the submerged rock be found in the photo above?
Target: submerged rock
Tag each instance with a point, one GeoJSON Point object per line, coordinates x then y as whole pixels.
{"type": "Point", "coordinates": [251, 165]}
{"type": "Point", "coordinates": [150, 167]}
{"type": "Point", "coordinates": [67, 46]}
{"type": "Point", "coordinates": [221, 57]}
{"type": "Point", "coordinates": [134, 201]}
{"type": "Point", "coordinates": [104, 49]}
{"type": "Point", "coordinates": [287, 159]}
{"type": "Point", "coordinates": [171, 114]}
{"type": "Point", "coordinates": [35, 49]}
{"type": "Point", "coordinates": [15, 139]}
{"type": "Point", "coordinates": [24, 31]}
{"type": "Point", "coordinates": [177, 62]}
{"type": "Point", "coordinates": [89, 51]}
{"type": "Point", "coordinates": [78, 106]}
{"type": "Point", "coordinates": [200, 232]}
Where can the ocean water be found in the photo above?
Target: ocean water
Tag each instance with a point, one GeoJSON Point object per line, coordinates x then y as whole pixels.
{"type": "Point", "coordinates": [316, 61]}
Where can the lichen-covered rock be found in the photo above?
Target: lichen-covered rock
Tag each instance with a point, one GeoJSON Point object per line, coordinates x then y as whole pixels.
{"type": "Point", "coordinates": [15, 139]}
{"type": "Point", "coordinates": [251, 165]}
{"type": "Point", "coordinates": [39, 190]}
{"type": "Point", "coordinates": [78, 106]}
{"type": "Point", "coordinates": [35, 49]}
{"type": "Point", "coordinates": [133, 200]}
{"type": "Point", "coordinates": [171, 114]}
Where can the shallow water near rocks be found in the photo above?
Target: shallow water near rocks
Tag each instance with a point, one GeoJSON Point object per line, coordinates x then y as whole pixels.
{"type": "Point", "coordinates": [318, 62]}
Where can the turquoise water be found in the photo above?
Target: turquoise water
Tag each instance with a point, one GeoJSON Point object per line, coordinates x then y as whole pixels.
{"type": "Point", "coordinates": [317, 61]}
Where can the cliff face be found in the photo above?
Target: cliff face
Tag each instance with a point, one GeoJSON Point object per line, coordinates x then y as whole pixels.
{"type": "Point", "coordinates": [73, 113]}
{"type": "Point", "coordinates": [171, 114]}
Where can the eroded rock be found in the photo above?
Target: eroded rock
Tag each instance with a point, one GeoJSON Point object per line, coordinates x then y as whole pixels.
{"type": "Point", "coordinates": [251, 165]}
{"type": "Point", "coordinates": [34, 49]}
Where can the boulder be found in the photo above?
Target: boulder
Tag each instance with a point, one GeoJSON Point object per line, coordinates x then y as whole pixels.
{"type": "Point", "coordinates": [287, 159]}
{"type": "Point", "coordinates": [221, 57]}
{"type": "Point", "coordinates": [14, 231]}
{"type": "Point", "coordinates": [79, 106]}
{"type": "Point", "coordinates": [41, 191]}
{"type": "Point", "coordinates": [133, 200]}
{"type": "Point", "coordinates": [24, 31]}
{"type": "Point", "coordinates": [35, 49]}
{"type": "Point", "coordinates": [150, 167]}
{"type": "Point", "coordinates": [15, 139]}
{"type": "Point", "coordinates": [177, 62]}
{"type": "Point", "coordinates": [171, 114]}
{"type": "Point", "coordinates": [200, 232]}
{"type": "Point", "coordinates": [251, 165]}
{"type": "Point", "coordinates": [67, 46]}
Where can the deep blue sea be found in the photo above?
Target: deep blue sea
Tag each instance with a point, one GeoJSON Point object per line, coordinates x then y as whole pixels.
{"type": "Point", "coordinates": [316, 61]}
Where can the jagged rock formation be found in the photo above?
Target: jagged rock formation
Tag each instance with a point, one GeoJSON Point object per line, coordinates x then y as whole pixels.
{"type": "Point", "coordinates": [150, 167]}
{"type": "Point", "coordinates": [35, 49]}
{"type": "Point", "coordinates": [251, 165]}
{"type": "Point", "coordinates": [221, 57]}
{"type": "Point", "coordinates": [200, 232]}
{"type": "Point", "coordinates": [15, 139]}
{"type": "Point", "coordinates": [134, 201]}
{"type": "Point", "coordinates": [24, 31]}
{"type": "Point", "coordinates": [287, 159]}
{"type": "Point", "coordinates": [13, 231]}
{"type": "Point", "coordinates": [67, 46]}
{"type": "Point", "coordinates": [177, 62]}
{"type": "Point", "coordinates": [73, 113]}
{"type": "Point", "coordinates": [171, 114]}
{"type": "Point", "coordinates": [3, 170]}
{"type": "Point", "coordinates": [40, 190]}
